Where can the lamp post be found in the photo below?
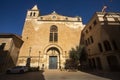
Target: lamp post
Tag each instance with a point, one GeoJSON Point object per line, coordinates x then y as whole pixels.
{"type": "Point", "coordinates": [39, 58]}
{"type": "Point", "coordinates": [30, 51]}
{"type": "Point", "coordinates": [59, 62]}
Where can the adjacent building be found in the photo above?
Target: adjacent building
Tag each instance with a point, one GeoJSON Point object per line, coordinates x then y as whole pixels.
{"type": "Point", "coordinates": [48, 39]}
{"type": "Point", "coordinates": [101, 41]}
{"type": "Point", "coordinates": [10, 45]}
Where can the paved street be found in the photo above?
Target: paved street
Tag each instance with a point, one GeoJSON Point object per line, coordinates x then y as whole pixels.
{"type": "Point", "coordinates": [64, 75]}
{"type": "Point", "coordinates": [61, 75]}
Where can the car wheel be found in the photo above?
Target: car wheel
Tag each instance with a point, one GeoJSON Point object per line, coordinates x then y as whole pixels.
{"type": "Point", "coordinates": [21, 71]}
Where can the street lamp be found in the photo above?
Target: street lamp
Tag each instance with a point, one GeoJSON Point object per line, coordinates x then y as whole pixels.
{"type": "Point", "coordinates": [39, 58]}
{"type": "Point", "coordinates": [30, 51]}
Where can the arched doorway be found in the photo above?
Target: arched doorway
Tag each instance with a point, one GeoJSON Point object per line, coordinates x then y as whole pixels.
{"type": "Point", "coordinates": [53, 56]}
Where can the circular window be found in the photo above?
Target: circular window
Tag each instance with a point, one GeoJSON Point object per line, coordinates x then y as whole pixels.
{"type": "Point", "coordinates": [53, 17]}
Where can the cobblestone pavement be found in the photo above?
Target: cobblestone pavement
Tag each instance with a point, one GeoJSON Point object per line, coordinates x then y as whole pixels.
{"type": "Point", "coordinates": [62, 75]}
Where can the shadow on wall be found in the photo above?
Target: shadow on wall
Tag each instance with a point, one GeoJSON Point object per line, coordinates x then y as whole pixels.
{"type": "Point", "coordinates": [6, 60]}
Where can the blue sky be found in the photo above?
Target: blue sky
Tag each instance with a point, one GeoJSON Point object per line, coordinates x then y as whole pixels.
{"type": "Point", "coordinates": [13, 12]}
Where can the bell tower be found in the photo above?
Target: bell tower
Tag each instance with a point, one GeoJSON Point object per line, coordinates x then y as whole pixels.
{"type": "Point", "coordinates": [33, 13]}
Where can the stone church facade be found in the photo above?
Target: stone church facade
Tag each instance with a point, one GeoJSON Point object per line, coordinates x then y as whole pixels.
{"type": "Point", "coordinates": [48, 39]}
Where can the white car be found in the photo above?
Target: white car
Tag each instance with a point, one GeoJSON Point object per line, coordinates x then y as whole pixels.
{"type": "Point", "coordinates": [17, 69]}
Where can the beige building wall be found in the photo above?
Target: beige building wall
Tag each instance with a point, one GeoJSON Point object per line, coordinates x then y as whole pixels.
{"type": "Point", "coordinates": [101, 41]}
{"type": "Point", "coordinates": [36, 35]}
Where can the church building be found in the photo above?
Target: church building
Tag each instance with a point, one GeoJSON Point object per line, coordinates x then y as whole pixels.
{"type": "Point", "coordinates": [48, 39]}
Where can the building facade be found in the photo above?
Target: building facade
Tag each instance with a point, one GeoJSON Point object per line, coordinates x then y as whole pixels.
{"type": "Point", "coordinates": [48, 39]}
{"type": "Point", "coordinates": [10, 45]}
{"type": "Point", "coordinates": [101, 41]}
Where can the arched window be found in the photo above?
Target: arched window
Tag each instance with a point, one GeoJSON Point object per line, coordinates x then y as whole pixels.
{"type": "Point", "coordinates": [34, 14]}
{"type": "Point", "coordinates": [30, 13]}
{"type": "Point", "coordinates": [114, 44]}
{"type": "Point", "coordinates": [107, 45]}
{"type": "Point", "coordinates": [100, 47]}
{"type": "Point", "coordinates": [53, 34]}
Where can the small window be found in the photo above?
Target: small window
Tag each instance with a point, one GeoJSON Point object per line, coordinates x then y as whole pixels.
{"type": "Point", "coordinates": [34, 14]}
{"type": "Point", "coordinates": [2, 46]}
{"type": "Point", "coordinates": [100, 47]}
{"type": "Point", "coordinates": [90, 27]}
{"type": "Point", "coordinates": [41, 18]}
{"type": "Point", "coordinates": [114, 45]}
{"type": "Point", "coordinates": [107, 45]}
{"type": "Point", "coordinates": [86, 31]}
{"type": "Point", "coordinates": [66, 18]}
{"type": "Point", "coordinates": [30, 13]}
{"type": "Point", "coordinates": [88, 40]}
{"type": "Point", "coordinates": [91, 39]}
{"type": "Point", "coordinates": [94, 23]}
